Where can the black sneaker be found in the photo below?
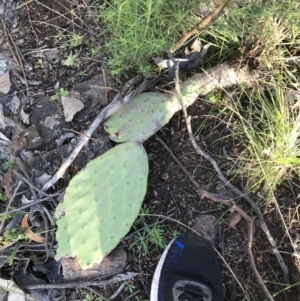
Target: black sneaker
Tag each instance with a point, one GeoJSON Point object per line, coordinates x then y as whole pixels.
{"type": "Point", "coordinates": [187, 271]}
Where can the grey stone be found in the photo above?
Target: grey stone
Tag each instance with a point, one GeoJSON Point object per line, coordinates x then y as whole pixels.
{"type": "Point", "coordinates": [48, 119]}
{"type": "Point", "coordinates": [29, 139]}
{"type": "Point", "coordinates": [91, 95]}
{"type": "Point", "coordinates": [205, 226]}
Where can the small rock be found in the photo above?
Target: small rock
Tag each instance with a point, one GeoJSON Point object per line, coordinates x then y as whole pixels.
{"type": "Point", "coordinates": [14, 104]}
{"type": "Point", "coordinates": [205, 226]}
{"type": "Point", "coordinates": [113, 263]}
{"type": "Point", "coordinates": [29, 139]}
{"type": "Point", "coordinates": [48, 119]}
{"type": "Point", "coordinates": [26, 155]}
{"type": "Point", "coordinates": [91, 96]}
{"type": "Point", "coordinates": [5, 83]}
{"type": "Point", "coordinates": [13, 126]}
{"type": "Point", "coordinates": [165, 176]}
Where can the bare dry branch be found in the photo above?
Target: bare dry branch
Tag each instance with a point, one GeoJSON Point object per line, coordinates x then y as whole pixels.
{"type": "Point", "coordinates": [203, 23]}
{"type": "Point", "coordinates": [99, 283]}
{"type": "Point", "coordinates": [245, 196]}
{"type": "Point", "coordinates": [240, 211]}
{"type": "Point", "coordinates": [85, 138]}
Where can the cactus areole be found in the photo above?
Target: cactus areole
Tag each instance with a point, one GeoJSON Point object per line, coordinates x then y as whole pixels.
{"type": "Point", "coordinates": [101, 203]}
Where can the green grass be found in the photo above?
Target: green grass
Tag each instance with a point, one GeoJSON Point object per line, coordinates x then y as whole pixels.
{"type": "Point", "coordinates": [58, 94]}
{"type": "Point", "coordinates": [8, 164]}
{"type": "Point", "coordinates": [150, 236]}
{"type": "Point", "coordinates": [138, 30]}
{"type": "Point", "coordinates": [268, 124]}
{"type": "Point", "coordinates": [267, 30]}
{"type": "Point", "coordinates": [142, 29]}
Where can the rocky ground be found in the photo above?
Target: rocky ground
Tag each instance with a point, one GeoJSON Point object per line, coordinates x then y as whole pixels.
{"type": "Point", "coordinates": [40, 125]}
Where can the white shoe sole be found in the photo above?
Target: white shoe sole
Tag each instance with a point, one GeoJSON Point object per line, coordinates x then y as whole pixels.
{"type": "Point", "coordinates": [157, 273]}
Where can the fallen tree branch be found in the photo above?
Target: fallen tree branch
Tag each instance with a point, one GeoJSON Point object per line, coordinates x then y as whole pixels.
{"type": "Point", "coordinates": [230, 203]}
{"type": "Point", "coordinates": [211, 196]}
{"type": "Point", "coordinates": [99, 283]}
{"type": "Point", "coordinates": [203, 23]}
{"type": "Point", "coordinates": [250, 225]}
{"type": "Point", "coordinates": [245, 196]}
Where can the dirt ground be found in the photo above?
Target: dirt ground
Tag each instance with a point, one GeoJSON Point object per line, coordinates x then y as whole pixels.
{"type": "Point", "coordinates": [171, 198]}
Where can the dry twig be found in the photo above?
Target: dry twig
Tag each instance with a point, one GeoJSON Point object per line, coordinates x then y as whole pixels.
{"type": "Point", "coordinates": [218, 199]}
{"type": "Point", "coordinates": [117, 292]}
{"type": "Point", "coordinates": [9, 204]}
{"type": "Point", "coordinates": [230, 203]}
{"type": "Point", "coordinates": [17, 55]}
{"type": "Point", "coordinates": [203, 23]}
{"type": "Point", "coordinates": [250, 224]}
{"type": "Point", "coordinates": [132, 295]}
{"type": "Point", "coordinates": [85, 138]}
{"type": "Point", "coordinates": [99, 283]}
{"type": "Point", "coordinates": [245, 196]}
{"type": "Point", "coordinates": [31, 204]}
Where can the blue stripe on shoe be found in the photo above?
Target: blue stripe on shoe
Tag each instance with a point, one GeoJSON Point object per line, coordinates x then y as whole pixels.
{"type": "Point", "coordinates": [180, 245]}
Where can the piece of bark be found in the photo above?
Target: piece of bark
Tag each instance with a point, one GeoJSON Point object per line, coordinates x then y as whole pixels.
{"type": "Point", "coordinates": [113, 263]}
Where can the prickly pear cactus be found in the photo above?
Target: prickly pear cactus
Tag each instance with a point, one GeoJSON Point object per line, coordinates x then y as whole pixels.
{"type": "Point", "coordinates": [141, 118]}
{"type": "Point", "coordinates": [101, 203]}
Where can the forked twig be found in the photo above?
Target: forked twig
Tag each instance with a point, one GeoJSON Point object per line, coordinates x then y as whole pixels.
{"type": "Point", "coordinates": [250, 231]}
{"type": "Point", "coordinates": [224, 180]}
{"type": "Point", "coordinates": [232, 204]}
{"type": "Point", "coordinates": [245, 196]}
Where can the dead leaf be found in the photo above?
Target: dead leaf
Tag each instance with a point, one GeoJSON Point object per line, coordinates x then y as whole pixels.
{"type": "Point", "coordinates": [232, 222]}
{"type": "Point", "coordinates": [195, 47]}
{"type": "Point", "coordinates": [28, 232]}
{"type": "Point", "coordinates": [167, 63]}
{"type": "Point", "coordinates": [71, 106]}
{"type": "Point", "coordinates": [5, 83]}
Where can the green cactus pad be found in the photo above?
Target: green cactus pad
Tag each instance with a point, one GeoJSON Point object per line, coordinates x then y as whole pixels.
{"type": "Point", "coordinates": [141, 118]}
{"type": "Point", "coordinates": [101, 203]}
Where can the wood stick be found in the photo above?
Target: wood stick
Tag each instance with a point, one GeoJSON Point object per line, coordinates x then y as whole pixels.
{"type": "Point", "coordinates": [203, 23]}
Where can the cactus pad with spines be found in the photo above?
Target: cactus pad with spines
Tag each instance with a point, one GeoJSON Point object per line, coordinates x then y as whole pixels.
{"type": "Point", "coordinates": [141, 118]}
{"type": "Point", "coordinates": [101, 203]}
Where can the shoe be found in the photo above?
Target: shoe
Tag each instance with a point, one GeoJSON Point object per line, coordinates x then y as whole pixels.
{"type": "Point", "coordinates": [188, 270]}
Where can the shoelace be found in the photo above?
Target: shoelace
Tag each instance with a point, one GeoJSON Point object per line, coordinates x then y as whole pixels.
{"type": "Point", "coordinates": [191, 293]}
